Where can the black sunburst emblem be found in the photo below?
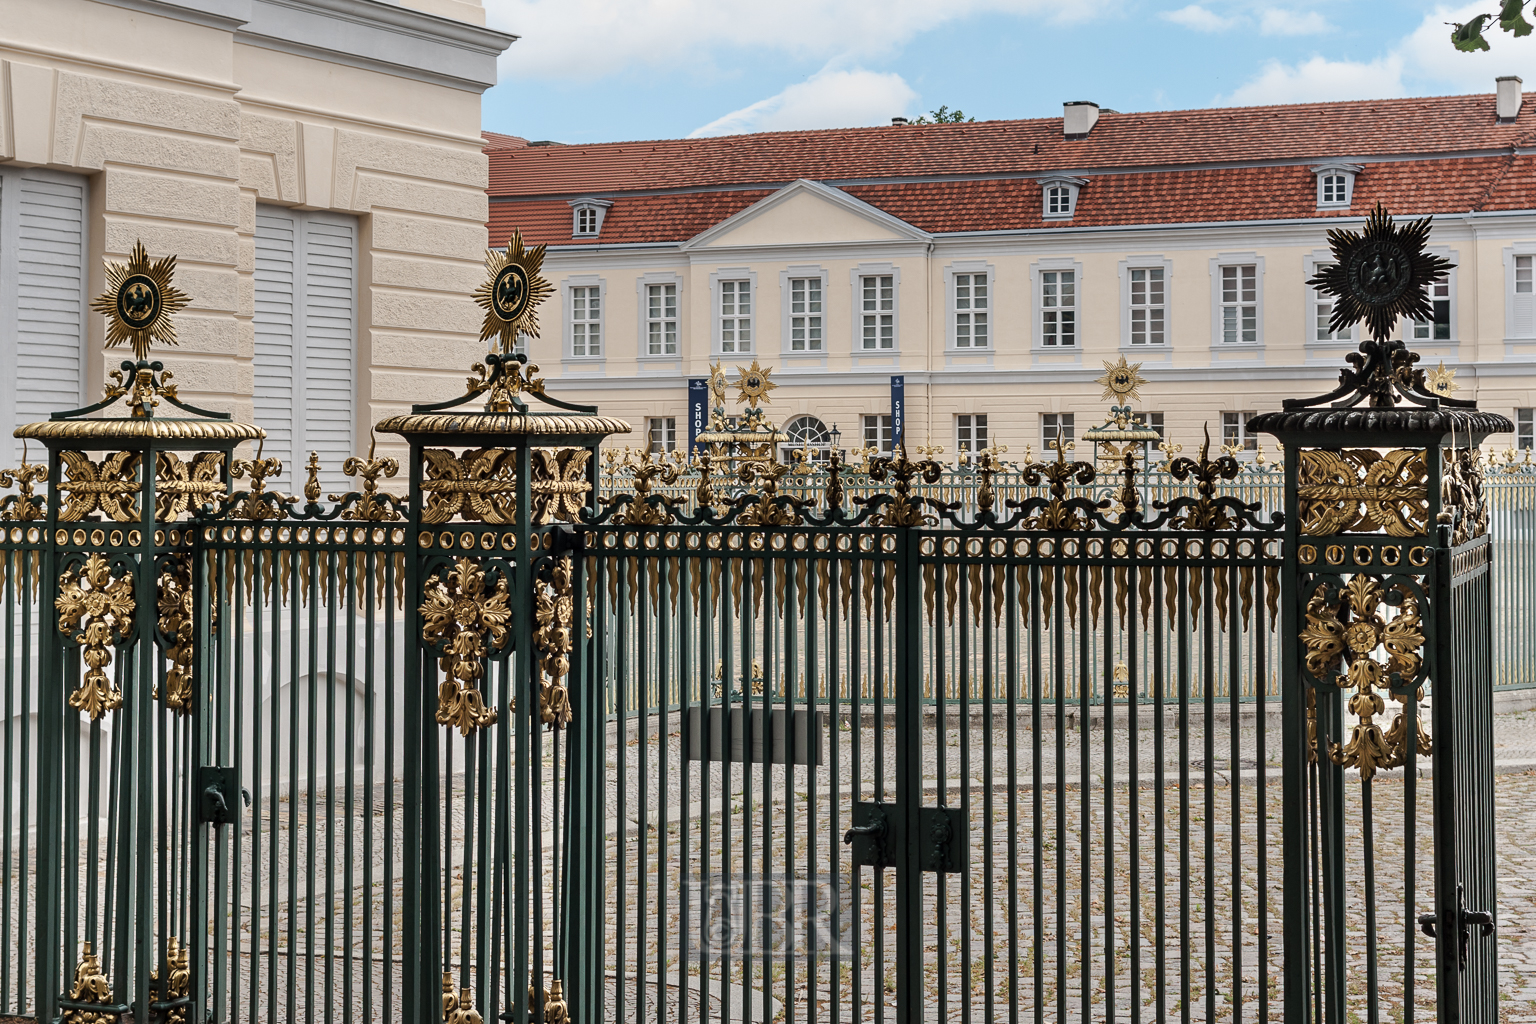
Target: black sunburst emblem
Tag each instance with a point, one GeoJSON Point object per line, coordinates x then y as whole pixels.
{"type": "Point", "coordinates": [1381, 274]}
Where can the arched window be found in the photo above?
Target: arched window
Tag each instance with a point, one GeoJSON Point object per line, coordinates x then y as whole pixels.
{"type": "Point", "coordinates": [807, 432]}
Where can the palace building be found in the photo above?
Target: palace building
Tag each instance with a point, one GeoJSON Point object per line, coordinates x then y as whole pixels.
{"type": "Point", "coordinates": [978, 277]}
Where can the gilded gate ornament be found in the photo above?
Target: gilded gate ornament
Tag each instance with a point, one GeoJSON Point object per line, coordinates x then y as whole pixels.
{"type": "Point", "coordinates": [24, 506]}
{"type": "Point", "coordinates": [505, 378]}
{"type": "Point", "coordinates": [374, 506]}
{"type": "Point", "coordinates": [1363, 491]}
{"type": "Point", "coordinates": [458, 617]}
{"type": "Point", "coordinates": [90, 986]}
{"type": "Point", "coordinates": [480, 485]}
{"type": "Point", "coordinates": [559, 484]}
{"type": "Point", "coordinates": [553, 613]}
{"type": "Point", "coordinates": [1206, 512]}
{"type": "Point", "coordinates": [259, 504]}
{"type": "Point", "coordinates": [178, 974]}
{"type": "Point", "coordinates": [174, 603]}
{"type": "Point", "coordinates": [638, 510]}
{"type": "Point", "coordinates": [96, 606]}
{"type": "Point", "coordinates": [1057, 514]}
{"type": "Point", "coordinates": [904, 509]}
{"type": "Point", "coordinates": [1463, 493]}
{"type": "Point", "coordinates": [1348, 627]}
{"type": "Point", "coordinates": [182, 485]}
{"type": "Point", "coordinates": [107, 486]}
{"type": "Point", "coordinates": [552, 1005]}
{"type": "Point", "coordinates": [512, 293]}
{"type": "Point", "coordinates": [1380, 275]}
{"type": "Point", "coordinates": [767, 511]}
{"type": "Point", "coordinates": [459, 1008]}
{"type": "Point", "coordinates": [140, 302]}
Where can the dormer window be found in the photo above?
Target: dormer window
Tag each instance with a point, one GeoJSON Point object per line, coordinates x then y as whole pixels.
{"type": "Point", "coordinates": [1335, 185]}
{"type": "Point", "coordinates": [1058, 197]}
{"type": "Point", "coordinates": [587, 217]}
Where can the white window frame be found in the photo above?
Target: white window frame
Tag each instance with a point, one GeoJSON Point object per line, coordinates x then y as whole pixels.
{"type": "Point", "coordinates": [1512, 335]}
{"type": "Point", "coordinates": [1056, 422]}
{"type": "Point", "coordinates": [1038, 309]}
{"type": "Point", "coordinates": [967, 426]}
{"type": "Point", "coordinates": [883, 425]}
{"type": "Point", "coordinates": [856, 290]}
{"type": "Point", "coordinates": [1219, 264]}
{"type": "Point", "coordinates": [1153, 420]}
{"type": "Point", "coordinates": [787, 277]}
{"type": "Point", "coordinates": [1071, 186]}
{"type": "Point", "coordinates": [567, 287]}
{"type": "Point", "coordinates": [1134, 263]}
{"type": "Point", "coordinates": [1525, 427]}
{"type": "Point", "coordinates": [755, 316]}
{"type": "Point", "coordinates": [668, 427]}
{"type": "Point", "coordinates": [1322, 349]}
{"type": "Point", "coordinates": [599, 209]}
{"type": "Point", "coordinates": [1348, 172]}
{"type": "Point", "coordinates": [643, 284]}
{"type": "Point", "coordinates": [1410, 328]}
{"type": "Point", "coordinates": [1248, 440]}
{"type": "Point", "coordinates": [970, 269]}
{"type": "Point", "coordinates": [10, 232]}
{"type": "Point", "coordinates": [820, 450]}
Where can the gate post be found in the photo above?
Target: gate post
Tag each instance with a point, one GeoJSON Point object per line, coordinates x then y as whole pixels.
{"type": "Point", "coordinates": [1377, 547]}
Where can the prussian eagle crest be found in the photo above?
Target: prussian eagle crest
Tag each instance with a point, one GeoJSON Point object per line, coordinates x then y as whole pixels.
{"type": "Point", "coordinates": [512, 292]}
{"type": "Point", "coordinates": [140, 302]}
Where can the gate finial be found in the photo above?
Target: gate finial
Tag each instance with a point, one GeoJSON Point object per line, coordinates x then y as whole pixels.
{"type": "Point", "coordinates": [140, 302]}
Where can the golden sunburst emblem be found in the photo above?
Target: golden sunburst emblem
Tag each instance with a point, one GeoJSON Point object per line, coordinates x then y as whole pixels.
{"type": "Point", "coordinates": [140, 302]}
{"type": "Point", "coordinates": [1380, 274]}
{"type": "Point", "coordinates": [1121, 380]}
{"type": "Point", "coordinates": [512, 292]}
{"type": "Point", "coordinates": [753, 384]}
{"type": "Point", "coordinates": [717, 383]}
{"type": "Point", "coordinates": [1442, 381]}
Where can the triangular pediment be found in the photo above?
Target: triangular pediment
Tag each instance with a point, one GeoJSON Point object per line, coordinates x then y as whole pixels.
{"type": "Point", "coordinates": [806, 213]}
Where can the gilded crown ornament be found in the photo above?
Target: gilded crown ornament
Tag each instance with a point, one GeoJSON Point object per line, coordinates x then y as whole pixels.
{"type": "Point", "coordinates": [140, 302]}
{"type": "Point", "coordinates": [512, 292]}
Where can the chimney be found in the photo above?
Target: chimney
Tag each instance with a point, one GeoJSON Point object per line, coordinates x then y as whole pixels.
{"type": "Point", "coordinates": [1079, 116]}
{"type": "Point", "coordinates": [1509, 98]}
{"type": "Point", "coordinates": [902, 120]}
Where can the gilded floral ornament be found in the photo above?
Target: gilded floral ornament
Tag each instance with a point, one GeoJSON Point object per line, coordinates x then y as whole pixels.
{"type": "Point", "coordinates": [107, 486]}
{"type": "Point", "coordinates": [90, 986]}
{"type": "Point", "coordinates": [24, 506]}
{"type": "Point", "coordinates": [767, 511]}
{"type": "Point", "coordinates": [96, 607]}
{"type": "Point", "coordinates": [373, 506]}
{"type": "Point", "coordinates": [502, 378]}
{"type": "Point", "coordinates": [480, 485]}
{"type": "Point", "coordinates": [559, 486]}
{"type": "Point", "coordinates": [258, 504]}
{"type": "Point", "coordinates": [553, 614]}
{"type": "Point", "coordinates": [465, 622]}
{"type": "Point", "coordinates": [178, 980]}
{"type": "Point", "coordinates": [182, 486]}
{"type": "Point", "coordinates": [459, 1008]}
{"type": "Point", "coordinates": [174, 603]}
{"type": "Point", "coordinates": [904, 508]}
{"type": "Point", "coordinates": [140, 302]}
{"type": "Point", "coordinates": [552, 1007]}
{"type": "Point", "coordinates": [1206, 511]}
{"type": "Point", "coordinates": [512, 292]}
{"type": "Point", "coordinates": [1363, 491]}
{"type": "Point", "coordinates": [1058, 513]}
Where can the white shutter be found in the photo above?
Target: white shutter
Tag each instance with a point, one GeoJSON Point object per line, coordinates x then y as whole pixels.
{"type": "Point", "coordinates": [276, 245]}
{"type": "Point", "coordinates": [42, 215]}
{"type": "Point", "coordinates": [329, 258]}
{"type": "Point", "coordinates": [305, 340]}
{"type": "Point", "coordinates": [1524, 306]}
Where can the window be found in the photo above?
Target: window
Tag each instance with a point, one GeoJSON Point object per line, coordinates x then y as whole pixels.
{"type": "Point", "coordinates": [1154, 420]}
{"type": "Point", "coordinates": [805, 314]}
{"type": "Point", "coordinates": [1525, 428]}
{"type": "Point", "coordinates": [1439, 328]}
{"type": "Point", "coordinates": [1335, 190]}
{"type": "Point", "coordinates": [587, 216]}
{"type": "Point", "coordinates": [661, 319]}
{"type": "Point", "coordinates": [971, 311]}
{"type": "Point", "coordinates": [1335, 185]}
{"type": "Point", "coordinates": [1058, 308]}
{"type": "Point", "coordinates": [1522, 309]}
{"type": "Point", "coordinates": [879, 433]}
{"type": "Point", "coordinates": [970, 432]}
{"type": "Point", "coordinates": [1057, 428]}
{"type": "Point", "coordinates": [735, 316]}
{"type": "Point", "coordinates": [878, 309]}
{"type": "Point", "coordinates": [1322, 312]}
{"type": "Point", "coordinates": [43, 254]}
{"type": "Point", "coordinates": [661, 434]}
{"type": "Point", "coordinates": [807, 432]}
{"type": "Point", "coordinates": [1058, 197]}
{"type": "Point", "coordinates": [1147, 305]}
{"type": "Point", "coordinates": [1239, 304]}
{"type": "Point", "coordinates": [305, 337]}
{"type": "Point", "coordinates": [586, 321]}
{"type": "Point", "coordinates": [1234, 431]}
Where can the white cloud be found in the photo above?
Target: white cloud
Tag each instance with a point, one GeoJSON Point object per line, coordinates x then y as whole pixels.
{"type": "Point", "coordinates": [1423, 62]}
{"type": "Point", "coordinates": [1198, 18]}
{"type": "Point", "coordinates": [1277, 21]}
{"type": "Point", "coordinates": [828, 99]}
{"type": "Point", "coordinates": [590, 38]}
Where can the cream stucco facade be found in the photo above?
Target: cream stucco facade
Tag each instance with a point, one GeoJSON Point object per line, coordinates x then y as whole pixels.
{"type": "Point", "coordinates": [184, 117]}
{"type": "Point", "coordinates": [808, 231]}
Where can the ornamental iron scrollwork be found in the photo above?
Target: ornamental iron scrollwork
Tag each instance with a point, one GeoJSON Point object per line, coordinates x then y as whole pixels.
{"type": "Point", "coordinates": [1463, 494]}
{"type": "Point", "coordinates": [638, 510]}
{"type": "Point", "coordinates": [96, 608]}
{"type": "Point", "coordinates": [553, 615]}
{"type": "Point", "coordinates": [180, 486]}
{"type": "Point", "coordinates": [1205, 512]}
{"type": "Point", "coordinates": [258, 503]}
{"type": "Point", "coordinates": [559, 485]}
{"type": "Point", "coordinates": [1363, 491]}
{"type": "Point", "coordinates": [459, 1008]}
{"type": "Point", "coordinates": [23, 506]}
{"type": "Point", "coordinates": [107, 486]}
{"type": "Point", "coordinates": [502, 378]}
{"type": "Point", "coordinates": [903, 509]}
{"type": "Point", "coordinates": [480, 485]}
{"type": "Point", "coordinates": [374, 506]}
{"type": "Point", "coordinates": [767, 511]}
{"type": "Point", "coordinates": [90, 986]}
{"type": "Point", "coordinates": [1058, 513]}
{"type": "Point", "coordinates": [1345, 626]}
{"type": "Point", "coordinates": [465, 622]}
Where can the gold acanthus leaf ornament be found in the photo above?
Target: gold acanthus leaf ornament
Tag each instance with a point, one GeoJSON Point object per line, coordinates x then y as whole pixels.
{"type": "Point", "coordinates": [96, 608]}
{"type": "Point", "coordinates": [107, 486]}
{"type": "Point", "coordinates": [553, 615]}
{"type": "Point", "coordinates": [178, 980]}
{"type": "Point", "coordinates": [90, 986]}
{"type": "Point", "coordinates": [512, 292]}
{"type": "Point", "coordinates": [174, 602]}
{"type": "Point", "coordinates": [459, 1008]}
{"type": "Point", "coordinates": [465, 622]}
{"type": "Point", "coordinates": [140, 302]}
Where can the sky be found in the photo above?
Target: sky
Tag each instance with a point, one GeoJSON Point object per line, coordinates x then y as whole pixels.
{"type": "Point", "coordinates": [619, 70]}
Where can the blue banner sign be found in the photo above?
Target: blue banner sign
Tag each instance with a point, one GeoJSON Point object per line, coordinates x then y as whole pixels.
{"type": "Point", "coordinates": [698, 409]}
{"type": "Point", "coordinates": [898, 409]}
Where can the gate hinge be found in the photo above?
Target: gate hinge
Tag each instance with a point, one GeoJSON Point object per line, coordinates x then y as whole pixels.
{"type": "Point", "coordinates": [941, 837]}
{"type": "Point", "coordinates": [217, 787]}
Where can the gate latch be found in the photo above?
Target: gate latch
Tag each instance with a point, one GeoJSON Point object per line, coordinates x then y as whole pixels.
{"type": "Point", "coordinates": [217, 787]}
{"type": "Point", "coordinates": [873, 835]}
{"type": "Point", "coordinates": [941, 841]}
{"type": "Point", "coordinates": [1468, 918]}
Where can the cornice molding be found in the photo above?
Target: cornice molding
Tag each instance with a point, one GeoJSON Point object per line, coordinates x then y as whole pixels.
{"type": "Point", "coordinates": [226, 15]}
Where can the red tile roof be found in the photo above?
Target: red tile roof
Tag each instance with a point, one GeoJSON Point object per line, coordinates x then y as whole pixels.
{"type": "Point", "coordinates": [1142, 168]}
{"type": "Point", "coordinates": [496, 140]}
